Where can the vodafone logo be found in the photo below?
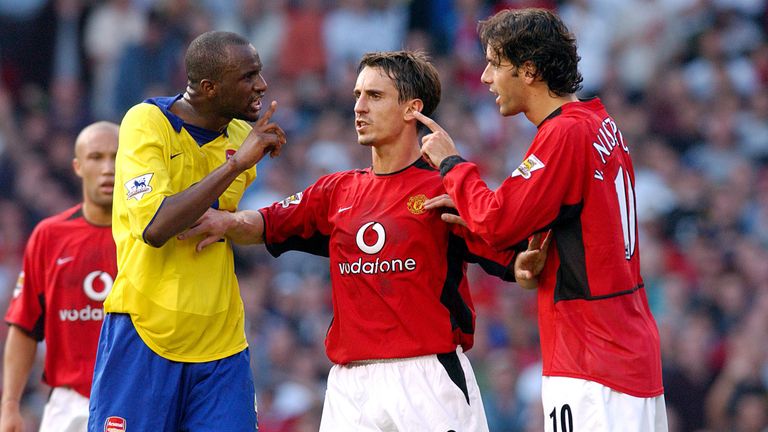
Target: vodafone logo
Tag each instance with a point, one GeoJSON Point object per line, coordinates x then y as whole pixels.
{"type": "Point", "coordinates": [381, 236]}
{"type": "Point", "coordinates": [97, 291]}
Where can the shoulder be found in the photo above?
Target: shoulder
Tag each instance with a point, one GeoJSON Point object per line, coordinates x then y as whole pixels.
{"type": "Point", "coordinates": [55, 222]}
{"type": "Point", "coordinates": [237, 130]}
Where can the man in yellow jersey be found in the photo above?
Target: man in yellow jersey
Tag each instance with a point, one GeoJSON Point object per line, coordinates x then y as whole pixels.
{"type": "Point", "coordinates": [172, 354]}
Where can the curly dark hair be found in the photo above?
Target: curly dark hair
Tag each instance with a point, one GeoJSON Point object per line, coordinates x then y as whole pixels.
{"type": "Point", "coordinates": [411, 72]}
{"type": "Point", "coordinates": [538, 36]}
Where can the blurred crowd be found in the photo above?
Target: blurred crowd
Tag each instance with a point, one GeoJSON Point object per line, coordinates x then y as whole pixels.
{"type": "Point", "coordinates": [686, 80]}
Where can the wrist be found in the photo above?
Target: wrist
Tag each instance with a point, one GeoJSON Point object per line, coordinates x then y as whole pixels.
{"type": "Point", "coordinates": [449, 162]}
{"type": "Point", "coordinates": [10, 401]}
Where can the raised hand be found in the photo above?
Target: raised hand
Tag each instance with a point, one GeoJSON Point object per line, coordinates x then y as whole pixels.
{"type": "Point", "coordinates": [437, 145]}
{"type": "Point", "coordinates": [265, 138]}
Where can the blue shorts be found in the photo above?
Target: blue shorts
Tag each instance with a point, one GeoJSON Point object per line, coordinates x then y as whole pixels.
{"type": "Point", "coordinates": [135, 389]}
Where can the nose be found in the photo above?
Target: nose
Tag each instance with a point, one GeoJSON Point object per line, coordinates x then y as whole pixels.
{"type": "Point", "coordinates": [486, 77]}
{"type": "Point", "coordinates": [108, 167]}
{"type": "Point", "coordinates": [361, 105]}
{"type": "Point", "coordinates": [260, 84]}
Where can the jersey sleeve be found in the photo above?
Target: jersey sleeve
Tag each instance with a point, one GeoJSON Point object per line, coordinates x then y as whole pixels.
{"type": "Point", "coordinates": [546, 187]}
{"type": "Point", "coordinates": [142, 166]}
{"type": "Point", "coordinates": [26, 309]}
{"type": "Point", "coordinates": [495, 262]}
{"type": "Point", "coordinates": [299, 222]}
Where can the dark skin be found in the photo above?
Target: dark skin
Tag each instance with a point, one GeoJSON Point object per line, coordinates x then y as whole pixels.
{"type": "Point", "coordinates": [212, 104]}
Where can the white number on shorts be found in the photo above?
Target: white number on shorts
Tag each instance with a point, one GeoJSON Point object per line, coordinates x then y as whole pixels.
{"type": "Point", "coordinates": [566, 418]}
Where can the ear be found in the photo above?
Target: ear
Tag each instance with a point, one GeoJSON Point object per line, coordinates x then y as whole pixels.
{"type": "Point", "coordinates": [207, 87]}
{"type": "Point", "coordinates": [411, 106]}
{"type": "Point", "coordinates": [528, 69]}
{"type": "Point", "coordinates": [76, 166]}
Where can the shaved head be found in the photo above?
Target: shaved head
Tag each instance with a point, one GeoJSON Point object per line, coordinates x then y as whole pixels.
{"type": "Point", "coordinates": [208, 55]}
{"type": "Point", "coordinates": [91, 132]}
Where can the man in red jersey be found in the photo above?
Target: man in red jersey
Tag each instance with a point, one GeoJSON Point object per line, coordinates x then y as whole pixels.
{"type": "Point", "coordinates": [403, 315]}
{"type": "Point", "coordinates": [69, 265]}
{"type": "Point", "coordinates": [600, 343]}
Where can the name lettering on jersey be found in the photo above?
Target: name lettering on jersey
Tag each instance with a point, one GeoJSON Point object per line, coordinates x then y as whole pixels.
{"type": "Point", "coordinates": [608, 138]}
{"type": "Point", "coordinates": [138, 186]}
{"type": "Point", "coordinates": [529, 165]}
{"type": "Point", "coordinates": [416, 204]}
{"type": "Point", "coordinates": [19, 284]}
{"type": "Point", "coordinates": [292, 200]}
{"type": "Point", "coordinates": [373, 246]}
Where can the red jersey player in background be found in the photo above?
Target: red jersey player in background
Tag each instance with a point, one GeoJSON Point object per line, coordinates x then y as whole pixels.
{"type": "Point", "coordinates": [600, 343]}
{"type": "Point", "coordinates": [68, 269]}
{"type": "Point", "coordinates": [402, 311]}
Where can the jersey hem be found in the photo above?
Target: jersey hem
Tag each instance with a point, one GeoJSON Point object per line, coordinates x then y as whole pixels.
{"type": "Point", "coordinates": [613, 386]}
{"type": "Point", "coordinates": [186, 359]}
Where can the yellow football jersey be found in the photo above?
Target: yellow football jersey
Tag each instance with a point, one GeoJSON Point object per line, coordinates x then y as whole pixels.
{"type": "Point", "coordinates": [185, 305]}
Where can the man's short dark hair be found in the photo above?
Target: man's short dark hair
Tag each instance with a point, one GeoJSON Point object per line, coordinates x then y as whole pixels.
{"type": "Point", "coordinates": [411, 72]}
{"type": "Point", "coordinates": [207, 55]}
{"type": "Point", "coordinates": [538, 36]}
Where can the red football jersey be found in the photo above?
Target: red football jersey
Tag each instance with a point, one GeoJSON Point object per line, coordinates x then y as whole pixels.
{"type": "Point", "coordinates": [68, 270]}
{"type": "Point", "coordinates": [397, 270]}
{"type": "Point", "coordinates": [577, 179]}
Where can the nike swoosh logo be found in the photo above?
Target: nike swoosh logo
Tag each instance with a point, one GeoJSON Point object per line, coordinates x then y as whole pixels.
{"type": "Point", "coordinates": [344, 209]}
{"type": "Point", "coordinates": [174, 155]}
{"type": "Point", "coordinates": [60, 261]}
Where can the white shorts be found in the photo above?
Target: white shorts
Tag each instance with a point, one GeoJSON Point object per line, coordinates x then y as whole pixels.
{"type": "Point", "coordinates": [572, 404]}
{"type": "Point", "coordinates": [434, 393]}
{"type": "Point", "coordinates": [66, 411]}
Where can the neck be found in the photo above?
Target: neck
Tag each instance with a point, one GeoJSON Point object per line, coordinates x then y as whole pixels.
{"type": "Point", "coordinates": [96, 214]}
{"type": "Point", "coordinates": [394, 157]}
{"type": "Point", "coordinates": [193, 110]}
{"type": "Point", "coordinates": [546, 104]}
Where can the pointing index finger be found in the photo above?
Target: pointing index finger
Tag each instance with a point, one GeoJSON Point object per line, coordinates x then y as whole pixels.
{"type": "Point", "coordinates": [264, 119]}
{"type": "Point", "coordinates": [428, 122]}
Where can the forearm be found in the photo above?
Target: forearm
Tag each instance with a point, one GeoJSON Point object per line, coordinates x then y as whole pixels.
{"type": "Point", "coordinates": [20, 350]}
{"type": "Point", "coordinates": [180, 211]}
{"type": "Point", "coordinates": [247, 227]}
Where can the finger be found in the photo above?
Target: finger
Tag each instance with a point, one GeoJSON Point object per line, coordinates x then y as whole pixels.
{"type": "Point", "coordinates": [439, 201]}
{"type": "Point", "coordinates": [426, 159]}
{"type": "Point", "coordinates": [428, 122]}
{"type": "Point", "coordinates": [206, 241]}
{"type": "Point", "coordinates": [535, 242]}
{"type": "Point", "coordinates": [545, 244]}
{"type": "Point", "coordinates": [191, 232]}
{"type": "Point", "coordinates": [267, 115]}
{"type": "Point", "coordinates": [452, 218]}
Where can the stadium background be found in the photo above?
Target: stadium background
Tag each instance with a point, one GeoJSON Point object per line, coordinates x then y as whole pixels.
{"type": "Point", "coordinates": [687, 80]}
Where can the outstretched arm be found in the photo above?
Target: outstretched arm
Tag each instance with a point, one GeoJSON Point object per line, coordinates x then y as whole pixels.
{"type": "Point", "coordinates": [180, 211]}
{"type": "Point", "coordinates": [20, 350]}
{"type": "Point", "coordinates": [242, 227]}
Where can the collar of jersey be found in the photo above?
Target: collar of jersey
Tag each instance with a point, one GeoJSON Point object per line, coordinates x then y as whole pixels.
{"type": "Point", "coordinates": [201, 136]}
